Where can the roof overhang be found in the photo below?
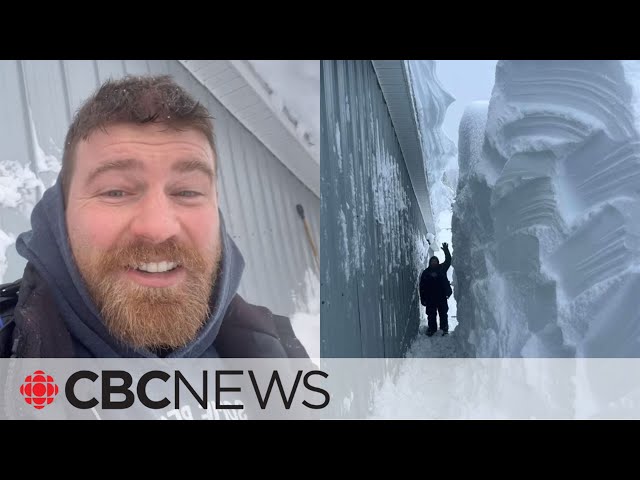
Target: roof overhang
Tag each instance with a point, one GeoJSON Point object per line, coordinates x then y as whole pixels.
{"type": "Point", "coordinates": [236, 85]}
{"type": "Point", "coordinates": [394, 82]}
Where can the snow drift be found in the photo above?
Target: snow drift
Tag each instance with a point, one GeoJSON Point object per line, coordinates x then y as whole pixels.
{"type": "Point", "coordinates": [439, 151]}
{"type": "Point", "coordinates": [547, 218]}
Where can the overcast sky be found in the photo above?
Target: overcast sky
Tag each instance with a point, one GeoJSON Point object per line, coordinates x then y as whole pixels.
{"type": "Point", "coordinates": [467, 81]}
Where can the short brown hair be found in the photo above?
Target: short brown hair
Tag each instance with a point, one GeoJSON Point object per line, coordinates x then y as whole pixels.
{"type": "Point", "coordinates": [139, 100]}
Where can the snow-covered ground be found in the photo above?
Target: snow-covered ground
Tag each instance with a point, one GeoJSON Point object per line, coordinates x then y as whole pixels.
{"type": "Point", "coordinates": [437, 346]}
{"type": "Point", "coordinates": [504, 388]}
{"type": "Point", "coordinates": [306, 320]}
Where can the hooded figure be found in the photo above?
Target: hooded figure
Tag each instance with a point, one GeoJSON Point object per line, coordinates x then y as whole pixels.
{"type": "Point", "coordinates": [435, 289]}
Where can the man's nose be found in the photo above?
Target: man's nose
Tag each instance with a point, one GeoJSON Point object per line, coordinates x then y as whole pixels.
{"type": "Point", "coordinates": [155, 219]}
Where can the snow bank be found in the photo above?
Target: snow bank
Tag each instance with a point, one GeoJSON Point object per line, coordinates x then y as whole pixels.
{"type": "Point", "coordinates": [547, 219]}
{"type": "Point", "coordinates": [20, 189]}
{"type": "Point", "coordinates": [21, 186]}
{"type": "Point", "coordinates": [306, 320]}
{"type": "Point", "coordinates": [6, 240]}
{"type": "Point", "coordinates": [438, 150]}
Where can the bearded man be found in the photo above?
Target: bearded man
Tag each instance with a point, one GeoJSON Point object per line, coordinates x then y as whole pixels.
{"type": "Point", "coordinates": [128, 255]}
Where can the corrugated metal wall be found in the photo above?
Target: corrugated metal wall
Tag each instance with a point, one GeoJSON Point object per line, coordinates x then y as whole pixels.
{"type": "Point", "coordinates": [258, 195]}
{"type": "Point", "coordinates": [370, 221]}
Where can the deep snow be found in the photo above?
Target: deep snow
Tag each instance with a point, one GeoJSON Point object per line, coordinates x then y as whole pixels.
{"type": "Point", "coordinates": [547, 217]}
{"type": "Point", "coordinates": [306, 319]}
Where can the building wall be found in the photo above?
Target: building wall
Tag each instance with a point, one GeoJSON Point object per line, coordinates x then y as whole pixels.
{"type": "Point", "coordinates": [373, 234]}
{"type": "Point", "coordinates": [258, 195]}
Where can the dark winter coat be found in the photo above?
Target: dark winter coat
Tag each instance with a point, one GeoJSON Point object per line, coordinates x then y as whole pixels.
{"type": "Point", "coordinates": [434, 284]}
{"type": "Point", "coordinates": [55, 316]}
{"type": "Point", "coordinates": [35, 329]}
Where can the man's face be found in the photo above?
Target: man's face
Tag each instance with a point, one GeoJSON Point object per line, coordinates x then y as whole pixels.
{"type": "Point", "coordinates": [142, 218]}
{"type": "Point", "coordinates": [434, 262]}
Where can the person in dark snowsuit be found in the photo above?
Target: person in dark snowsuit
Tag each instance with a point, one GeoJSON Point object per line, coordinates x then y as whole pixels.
{"type": "Point", "coordinates": [435, 289]}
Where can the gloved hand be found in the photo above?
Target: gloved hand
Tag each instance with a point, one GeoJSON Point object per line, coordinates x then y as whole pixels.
{"type": "Point", "coordinates": [445, 246]}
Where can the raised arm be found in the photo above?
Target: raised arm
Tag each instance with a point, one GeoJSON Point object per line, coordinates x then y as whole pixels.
{"type": "Point", "coordinates": [447, 257]}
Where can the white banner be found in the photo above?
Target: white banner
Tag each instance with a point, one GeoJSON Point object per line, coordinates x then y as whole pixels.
{"type": "Point", "coordinates": [239, 389]}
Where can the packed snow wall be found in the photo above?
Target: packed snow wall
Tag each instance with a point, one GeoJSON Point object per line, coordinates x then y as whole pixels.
{"type": "Point", "coordinates": [373, 236]}
{"type": "Point", "coordinates": [547, 217]}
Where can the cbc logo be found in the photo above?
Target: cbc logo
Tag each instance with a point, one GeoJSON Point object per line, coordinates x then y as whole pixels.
{"type": "Point", "coordinates": [39, 389]}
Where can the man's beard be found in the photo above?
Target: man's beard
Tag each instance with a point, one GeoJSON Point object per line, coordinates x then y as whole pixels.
{"type": "Point", "coordinates": [150, 317]}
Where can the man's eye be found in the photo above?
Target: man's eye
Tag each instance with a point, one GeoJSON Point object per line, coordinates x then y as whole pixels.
{"type": "Point", "coordinates": [188, 193]}
{"type": "Point", "coordinates": [114, 193]}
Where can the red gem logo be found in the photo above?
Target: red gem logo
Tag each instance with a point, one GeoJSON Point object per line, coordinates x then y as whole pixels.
{"type": "Point", "coordinates": [39, 389]}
